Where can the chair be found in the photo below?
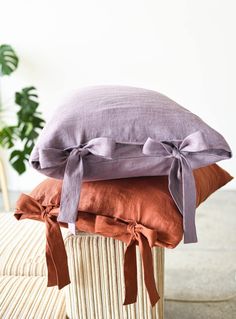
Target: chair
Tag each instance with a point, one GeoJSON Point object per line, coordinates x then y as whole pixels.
{"type": "Point", "coordinates": [3, 183]}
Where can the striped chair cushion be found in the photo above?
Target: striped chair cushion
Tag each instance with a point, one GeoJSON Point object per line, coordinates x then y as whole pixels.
{"type": "Point", "coordinates": [24, 297]}
{"type": "Point", "coordinates": [97, 280]}
{"type": "Point", "coordinates": [22, 248]}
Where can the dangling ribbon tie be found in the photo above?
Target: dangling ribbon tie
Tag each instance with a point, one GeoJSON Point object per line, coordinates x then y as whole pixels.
{"type": "Point", "coordinates": [145, 238]}
{"type": "Point", "coordinates": [73, 160]}
{"type": "Point", "coordinates": [56, 258]}
{"type": "Point", "coordinates": [181, 179]}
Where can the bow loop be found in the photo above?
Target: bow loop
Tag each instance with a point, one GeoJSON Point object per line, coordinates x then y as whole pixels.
{"type": "Point", "coordinates": [101, 146]}
{"type": "Point", "coordinates": [52, 157]}
{"type": "Point", "coordinates": [195, 142]}
{"type": "Point", "coordinates": [28, 203]}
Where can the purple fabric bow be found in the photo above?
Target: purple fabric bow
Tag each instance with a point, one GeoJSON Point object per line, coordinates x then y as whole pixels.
{"type": "Point", "coordinates": [181, 179]}
{"type": "Point", "coordinates": [73, 158]}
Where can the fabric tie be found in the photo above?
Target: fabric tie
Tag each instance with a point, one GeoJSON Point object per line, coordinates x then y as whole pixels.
{"type": "Point", "coordinates": [132, 234]}
{"type": "Point", "coordinates": [145, 238]}
{"type": "Point", "coordinates": [73, 160]}
{"type": "Point", "coordinates": [181, 179]}
{"type": "Point", "coordinates": [56, 257]}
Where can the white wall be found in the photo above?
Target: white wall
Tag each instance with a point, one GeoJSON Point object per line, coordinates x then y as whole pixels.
{"type": "Point", "coordinates": [185, 49]}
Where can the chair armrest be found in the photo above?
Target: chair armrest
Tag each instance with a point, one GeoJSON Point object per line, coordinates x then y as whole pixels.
{"type": "Point", "coordinates": [97, 280]}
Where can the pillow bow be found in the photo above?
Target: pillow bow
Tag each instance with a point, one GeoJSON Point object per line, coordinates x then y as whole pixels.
{"type": "Point", "coordinates": [145, 238]}
{"type": "Point", "coordinates": [73, 158]}
{"type": "Point", "coordinates": [56, 258]}
{"type": "Point", "coordinates": [181, 179]}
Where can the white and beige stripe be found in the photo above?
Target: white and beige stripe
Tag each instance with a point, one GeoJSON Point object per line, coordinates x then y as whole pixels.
{"type": "Point", "coordinates": [97, 281]}
{"type": "Point", "coordinates": [22, 246]}
{"type": "Point", "coordinates": [24, 297]}
{"type": "Point", "coordinates": [96, 271]}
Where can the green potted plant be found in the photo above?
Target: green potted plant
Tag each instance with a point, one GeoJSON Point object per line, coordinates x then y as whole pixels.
{"type": "Point", "coordinates": [28, 120]}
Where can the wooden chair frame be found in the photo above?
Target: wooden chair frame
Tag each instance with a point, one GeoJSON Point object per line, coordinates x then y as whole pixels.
{"type": "Point", "coordinates": [3, 183]}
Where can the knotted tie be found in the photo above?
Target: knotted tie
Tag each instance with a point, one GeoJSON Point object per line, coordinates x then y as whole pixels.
{"type": "Point", "coordinates": [145, 238]}
{"type": "Point", "coordinates": [73, 160]}
{"type": "Point", "coordinates": [181, 179]}
{"type": "Point", "coordinates": [56, 257]}
{"type": "Point", "coordinates": [58, 274]}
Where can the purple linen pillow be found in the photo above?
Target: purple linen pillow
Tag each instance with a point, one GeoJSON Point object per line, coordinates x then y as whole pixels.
{"type": "Point", "coordinates": [109, 132]}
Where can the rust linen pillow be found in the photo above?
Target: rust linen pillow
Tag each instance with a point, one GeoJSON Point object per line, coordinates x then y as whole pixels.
{"type": "Point", "coordinates": [138, 211]}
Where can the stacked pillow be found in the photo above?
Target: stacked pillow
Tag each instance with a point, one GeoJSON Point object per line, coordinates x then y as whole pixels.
{"type": "Point", "coordinates": [117, 135]}
{"type": "Point", "coordinates": [108, 132]}
{"type": "Point", "coordinates": [138, 211]}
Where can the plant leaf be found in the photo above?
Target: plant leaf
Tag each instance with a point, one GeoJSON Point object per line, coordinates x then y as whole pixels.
{"type": "Point", "coordinates": [17, 159]}
{"type": "Point", "coordinates": [29, 123]}
{"type": "Point", "coordinates": [27, 100]}
{"type": "Point", "coordinates": [7, 136]}
{"type": "Point", "coordinates": [29, 144]}
{"type": "Point", "coordinates": [8, 60]}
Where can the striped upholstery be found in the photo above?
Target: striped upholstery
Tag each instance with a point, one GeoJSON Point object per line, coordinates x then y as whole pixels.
{"type": "Point", "coordinates": [97, 283]}
{"type": "Point", "coordinates": [96, 271]}
{"type": "Point", "coordinates": [22, 246]}
{"type": "Point", "coordinates": [23, 297]}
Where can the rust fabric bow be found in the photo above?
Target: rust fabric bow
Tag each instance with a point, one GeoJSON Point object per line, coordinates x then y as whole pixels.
{"type": "Point", "coordinates": [56, 257]}
{"type": "Point", "coordinates": [145, 238]}
{"type": "Point", "coordinates": [131, 233]}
